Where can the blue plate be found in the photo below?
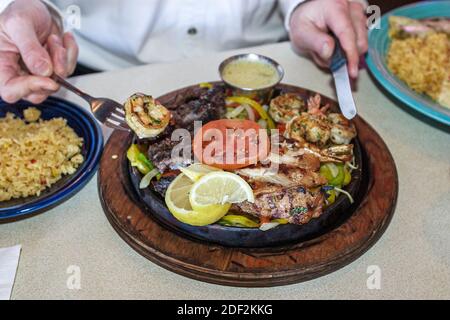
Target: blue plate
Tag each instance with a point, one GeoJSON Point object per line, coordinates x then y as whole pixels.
{"type": "Point", "coordinates": [379, 43]}
{"type": "Point", "coordinates": [86, 127]}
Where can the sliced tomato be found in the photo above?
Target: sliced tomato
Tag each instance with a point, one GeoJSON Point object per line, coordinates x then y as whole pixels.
{"type": "Point", "coordinates": [231, 143]}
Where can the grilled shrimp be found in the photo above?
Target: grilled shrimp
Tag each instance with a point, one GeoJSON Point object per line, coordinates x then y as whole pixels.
{"type": "Point", "coordinates": [342, 130]}
{"type": "Point", "coordinates": [145, 116]}
{"type": "Point", "coordinates": [314, 105]}
{"type": "Point", "coordinates": [285, 107]}
{"type": "Point", "coordinates": [307, 127]}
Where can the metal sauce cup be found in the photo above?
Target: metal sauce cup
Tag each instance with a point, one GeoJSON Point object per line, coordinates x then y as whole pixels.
{"type": "Point", "coordinates": [262, 95]}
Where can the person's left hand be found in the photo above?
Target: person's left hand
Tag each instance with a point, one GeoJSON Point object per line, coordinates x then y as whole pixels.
{"type": "Point", "coordinates": [312, 22]}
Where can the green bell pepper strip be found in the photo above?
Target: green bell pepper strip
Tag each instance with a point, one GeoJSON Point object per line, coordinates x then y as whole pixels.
{"type": "Point", "coordinates": [140, 161]}
{"type": "Point", "coordinates": [334, 173]}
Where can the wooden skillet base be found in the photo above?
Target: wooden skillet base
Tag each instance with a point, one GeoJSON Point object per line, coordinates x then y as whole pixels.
{"type": "Point", "coordinates": [261, 267]}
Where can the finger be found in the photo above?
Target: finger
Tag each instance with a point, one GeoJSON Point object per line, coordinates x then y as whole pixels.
{"type": "Point", "coordinates": [309, 38]}
{"type": "Point", "coordinates": [359, 24]}
{"type": "Point", "coordinates": [37, 97]}
{"type": "Point", "coordinates": [339, 21]}
{"type": "Point", "coordinates": [22, 86]}
{"type": "Point", "coordinates": [32, 52]}
{"type": "Point", "coordinates": [58, 55]}
{"type": "Point", "coordinates": [72, 52]}
{"type": "Point", "coordinates": [319, 61]}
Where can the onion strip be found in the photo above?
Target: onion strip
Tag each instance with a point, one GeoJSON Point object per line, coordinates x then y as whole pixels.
{"type": "Point", "coordinates": [145, 182]}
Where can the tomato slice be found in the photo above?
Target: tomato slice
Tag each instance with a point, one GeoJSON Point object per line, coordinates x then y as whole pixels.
{"type": "Point", "coordinates": [231, 143]}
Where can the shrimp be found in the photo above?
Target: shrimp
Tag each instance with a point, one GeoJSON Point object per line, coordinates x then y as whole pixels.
{"type": "Point", "coordinates": [145, 116]}
{"type": "Point", "coordinates": [307, 127]}
{"type": "Point", "coordinates": [342, 130]}
{"type": "Point", "coordinates": [285, 107]}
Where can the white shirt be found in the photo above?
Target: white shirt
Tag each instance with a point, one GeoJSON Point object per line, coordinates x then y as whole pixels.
{"type": "Point", "coordinates": [117, 33]}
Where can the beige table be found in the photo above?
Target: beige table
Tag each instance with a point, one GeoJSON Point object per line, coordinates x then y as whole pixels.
{"type": "Point", "coordinates": [413, 255]}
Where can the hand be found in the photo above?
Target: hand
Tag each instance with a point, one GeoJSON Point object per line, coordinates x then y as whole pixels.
{"type": "Point", "coordinates": [312, 21]}
{"type": "Point", "coordinates": [32, 47]}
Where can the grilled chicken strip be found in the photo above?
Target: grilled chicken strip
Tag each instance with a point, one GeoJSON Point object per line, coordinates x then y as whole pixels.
{"type": "Point", "coordinates": [296, 204]}
{"type": "Point", "coordinates": [284, 176]}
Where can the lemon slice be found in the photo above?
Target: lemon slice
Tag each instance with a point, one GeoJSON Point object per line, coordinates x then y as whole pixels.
{"type": "Point", "coordinates": [197, 170]}
{"type": "Point", "coordinates": [177, 201]}
{"type": "Point", "coordinates": [218, 188]}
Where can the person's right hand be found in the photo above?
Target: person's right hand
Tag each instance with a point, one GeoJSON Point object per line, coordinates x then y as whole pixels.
{"type": "Point", "coordinates": [32, 47]}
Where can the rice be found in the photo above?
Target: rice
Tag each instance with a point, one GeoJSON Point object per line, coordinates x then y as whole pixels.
{"type": "Point", "coordinates": [423, 63]}
{"type": "Point", "coordinates": [35, 153]}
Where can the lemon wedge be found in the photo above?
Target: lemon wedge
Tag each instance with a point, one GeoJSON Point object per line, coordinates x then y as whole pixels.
{"type": "Point", "coordinates": [177, 201]}
{"type": "Point", "coordinates": [219, 188]}
{"type": "Point", "coordinates": [197, 170]}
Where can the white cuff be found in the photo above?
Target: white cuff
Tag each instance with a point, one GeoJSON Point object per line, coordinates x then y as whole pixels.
{"type": "Point", "coordinates": [291, 7]}
{"type": "Point", "coordinates": [4, 4]}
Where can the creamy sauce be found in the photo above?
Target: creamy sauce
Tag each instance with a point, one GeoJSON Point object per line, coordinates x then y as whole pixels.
{"type": "Point", "coordinates": [250, 74]}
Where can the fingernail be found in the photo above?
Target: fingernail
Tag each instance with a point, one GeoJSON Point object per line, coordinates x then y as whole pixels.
{"type": "Point", "coordinates": [43, 68]}
{"type": "Point", "coordinates": [326, 51]}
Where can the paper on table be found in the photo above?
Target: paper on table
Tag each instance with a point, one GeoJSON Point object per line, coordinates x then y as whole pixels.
{"type": "Point", "coordinates": [9, 259]}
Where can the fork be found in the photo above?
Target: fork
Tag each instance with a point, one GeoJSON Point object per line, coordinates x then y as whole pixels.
{"type": "Point", "coordinates": [107, 111]}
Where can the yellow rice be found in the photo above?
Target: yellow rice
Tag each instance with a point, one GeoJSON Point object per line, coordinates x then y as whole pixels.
{"type": "Point", "coordinates": [423, 63]}
{"type": "Point", "coordinates": [34, 155]}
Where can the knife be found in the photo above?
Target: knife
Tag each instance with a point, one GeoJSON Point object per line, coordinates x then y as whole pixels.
{"type": "Point", "coordinates": [339, 69]}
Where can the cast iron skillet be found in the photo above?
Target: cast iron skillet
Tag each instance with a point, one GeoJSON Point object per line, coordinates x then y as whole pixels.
{"type": "Point", "coordinates": [332, 217]}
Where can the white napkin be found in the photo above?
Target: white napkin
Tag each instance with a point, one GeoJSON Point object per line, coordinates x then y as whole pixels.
{"type": "Point", "coordinates": [9, 259]}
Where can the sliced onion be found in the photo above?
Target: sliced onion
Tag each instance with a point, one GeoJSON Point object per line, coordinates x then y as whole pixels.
{"type": "Point", "coordinates": [145, 182]}
{"type": "Point", "coordinates": [349, 196]}
{"type": "Point", "coordinates": [333, 169]}
{"type": "Point", "coordinates": [250, 112]}
{"type": "Point", "coordinates": [262, 123]}
{"type": "Point", "coordinates": [235, 112]}
{"type": "Point", "coordinates": [268, 225]}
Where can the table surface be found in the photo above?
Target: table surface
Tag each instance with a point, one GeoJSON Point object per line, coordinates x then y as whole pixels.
{"type": "Point", "coordinates": [413, 255]}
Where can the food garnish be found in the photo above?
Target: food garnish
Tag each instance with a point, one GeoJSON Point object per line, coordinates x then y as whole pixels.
{"type": "Point", "coordinates": [146, 116]}
{"type": "Point", "coordinates": [231, 144]}
{"type": "Point", "coordinates": [177, 201]}
{"type": "Point", "coordinates": [197, 170]}
{"type": "Point", "coordinates": [220, 187]}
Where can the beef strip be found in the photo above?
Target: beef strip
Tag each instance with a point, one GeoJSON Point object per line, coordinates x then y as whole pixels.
{"type": "Point", "coordinates": [194, 104]}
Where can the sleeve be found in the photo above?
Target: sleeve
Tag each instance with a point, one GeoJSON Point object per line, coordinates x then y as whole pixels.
{"type": "Point", "coordinates": [288, 7]}
{"type": "Point", "coordinates": [55, 12]}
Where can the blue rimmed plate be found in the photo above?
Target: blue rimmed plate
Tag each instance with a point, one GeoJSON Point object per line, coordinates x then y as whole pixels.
{"type": "Point", "coordinates": [379, 43]}
{"type": "Point", "coordinates": [86, 127]}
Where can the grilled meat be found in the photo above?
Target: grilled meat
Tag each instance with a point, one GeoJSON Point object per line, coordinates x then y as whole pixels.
{"type": "Point", "coordinates": [197, 104]}
{"type": "Point", "coordinates": [284, 176]}
{"type": "Point", "coordinates": [161, 185]}
{"type": "Point", "coordinates": [296, 204]}
{"type": "Point", "coordinates": [160, 153]}
{"type": "Point", "coordinates": [200, 104]}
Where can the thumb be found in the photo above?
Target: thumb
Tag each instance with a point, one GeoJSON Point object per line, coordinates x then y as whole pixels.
{"type": "Point", "coordinates": [309, 38]}
{"type": "Point", "coordinates": [33, 54]}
